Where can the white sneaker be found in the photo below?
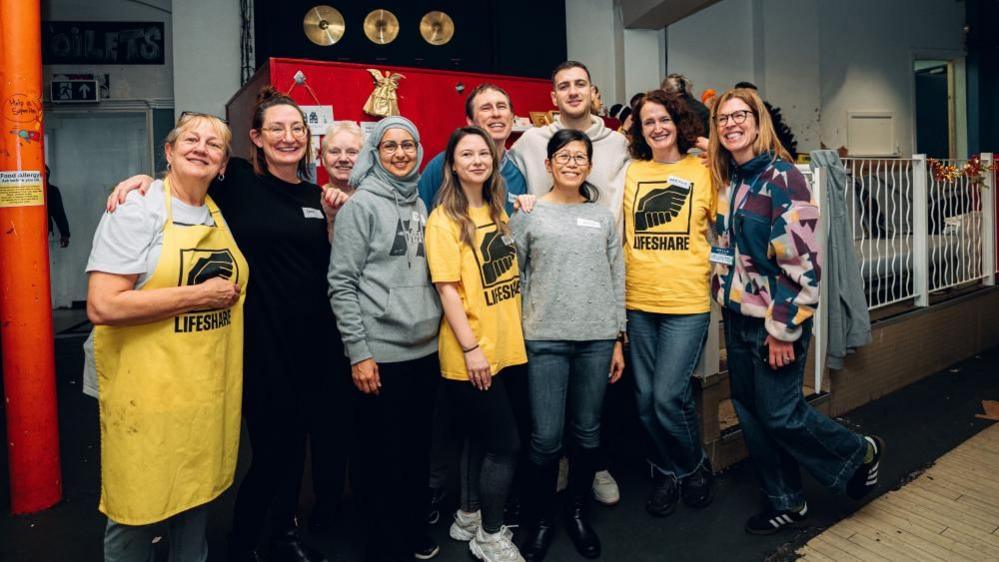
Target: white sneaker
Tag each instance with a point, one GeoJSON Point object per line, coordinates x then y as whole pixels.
{"type": "Point", "coordinates": [605, 488]}
{"type": "Point", "coordinates": [495, 547]}
{"type": "Point", "coordinates": [465, 525]}
{"type": "Point", "coordinates": [563, 474]}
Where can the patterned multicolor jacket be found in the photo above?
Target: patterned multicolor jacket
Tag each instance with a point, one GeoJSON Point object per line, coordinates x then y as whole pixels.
{"type": "Point", "coordinates": [776, 271]}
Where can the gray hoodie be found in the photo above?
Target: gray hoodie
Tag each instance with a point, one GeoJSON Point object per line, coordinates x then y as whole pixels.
{"type": "Point", "coordinates": [380, 289]}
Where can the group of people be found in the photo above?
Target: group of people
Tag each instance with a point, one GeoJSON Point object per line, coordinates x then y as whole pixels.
{"type": "Point", "coordinates": [481, 307]}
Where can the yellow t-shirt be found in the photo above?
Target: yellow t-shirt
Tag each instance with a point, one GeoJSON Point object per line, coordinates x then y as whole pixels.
{"type": "Point", "coordinates": [667, 209]}
{"type": "Point", "coordinates": [488, 281]}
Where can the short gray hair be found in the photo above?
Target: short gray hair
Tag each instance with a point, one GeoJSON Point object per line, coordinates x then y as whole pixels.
{"type": "Point", "coordinates": [339, 127]}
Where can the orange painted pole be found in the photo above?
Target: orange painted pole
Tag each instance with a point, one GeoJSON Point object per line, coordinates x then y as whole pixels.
{"type": "Point", "coordinates": [25, 299]}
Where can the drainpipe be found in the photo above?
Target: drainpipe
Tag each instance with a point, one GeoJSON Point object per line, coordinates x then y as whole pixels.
{"type": "Point", "coordinates": [25, 296]}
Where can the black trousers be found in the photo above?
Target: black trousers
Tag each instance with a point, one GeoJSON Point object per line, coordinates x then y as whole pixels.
{"type": "Point", "coordinates": [280, 416]}
{"type": "Point", "coordinates": [393, 459]}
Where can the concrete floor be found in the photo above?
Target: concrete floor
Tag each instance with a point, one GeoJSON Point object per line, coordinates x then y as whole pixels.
{"type": "Point", "coordinates": [919, 423]}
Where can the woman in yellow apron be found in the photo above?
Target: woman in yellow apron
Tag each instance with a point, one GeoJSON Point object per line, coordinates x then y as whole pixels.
{"type": "Point", "coordinates": [166, 297]}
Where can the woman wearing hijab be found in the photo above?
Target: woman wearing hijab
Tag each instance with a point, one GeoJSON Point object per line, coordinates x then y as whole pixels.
{"type": "Point", "coordinates": [389, 315]}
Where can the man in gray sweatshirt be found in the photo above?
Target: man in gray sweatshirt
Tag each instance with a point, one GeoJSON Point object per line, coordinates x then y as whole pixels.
{"type": "Point", "coordinates": [572, 93]}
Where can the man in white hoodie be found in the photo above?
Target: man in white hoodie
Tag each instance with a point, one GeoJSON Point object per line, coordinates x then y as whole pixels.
{"type": "Point", "coordinates": [572, 93]}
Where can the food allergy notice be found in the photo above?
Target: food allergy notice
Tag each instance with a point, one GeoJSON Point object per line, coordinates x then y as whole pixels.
{"type": "Point", "coordinates": [21, 188]}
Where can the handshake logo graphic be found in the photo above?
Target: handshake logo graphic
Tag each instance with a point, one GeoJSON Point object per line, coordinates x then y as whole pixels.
{"type": "Point", "coordinates": [660, 206]}
{"type": "Point", "coordinates": [497, 257]}
{"type": "Point", "coordinates": [210, 263]}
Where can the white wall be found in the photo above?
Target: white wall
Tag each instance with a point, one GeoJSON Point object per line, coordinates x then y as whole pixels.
{"type": "Point", "coordinates": [128, 82]}
{"type": "Point", "coordinates": [206, 54]}
{"type": "Point", "coordinates": [808, 55]}
{"type": "Point", "coordinates": [621, 61]}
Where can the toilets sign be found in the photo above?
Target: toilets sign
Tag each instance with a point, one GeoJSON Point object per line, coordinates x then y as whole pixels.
{"type": "Point", "coordinates": [74, 91]}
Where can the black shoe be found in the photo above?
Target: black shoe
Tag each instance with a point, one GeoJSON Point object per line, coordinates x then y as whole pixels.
{"type": "Point", "coordinates": [535, 543]}
{"type": "Point", "coordinates": [434, 507]}
{"type": "Point", "coordinates": [665, 493]}
{"type": "Point", "coordinates": [288, 547]}
{"type": "Point", "coordinates": [426, 549]}
{"type": "Point", "coordinates": [769, 522]}
{"type": "Point", "coordinates": [866, 476]}
{"type": "Point", "coordinates": [577, 526]}
{"type": "Point", "coordinates": [695, 489]}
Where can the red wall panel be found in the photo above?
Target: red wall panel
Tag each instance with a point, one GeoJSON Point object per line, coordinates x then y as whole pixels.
{"type": "Point", "coordinates": [427, 97]}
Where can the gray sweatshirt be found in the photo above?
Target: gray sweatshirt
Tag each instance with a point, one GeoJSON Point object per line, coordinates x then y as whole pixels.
{"type": "Point", "coordinates": [572, 271]}
{"type": "Point", "coordinates": [385, 306]}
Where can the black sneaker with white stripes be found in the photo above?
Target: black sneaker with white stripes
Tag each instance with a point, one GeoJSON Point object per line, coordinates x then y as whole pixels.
{"type": "Point", "coordinates": [769, 522]}
{"type": "Point", "coordinates": [866, 476]}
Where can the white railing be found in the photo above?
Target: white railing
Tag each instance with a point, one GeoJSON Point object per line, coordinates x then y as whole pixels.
{"type": "Point", "coordinates": [880, 196]}
{"type": "Point", "coordinates": [915, 234]}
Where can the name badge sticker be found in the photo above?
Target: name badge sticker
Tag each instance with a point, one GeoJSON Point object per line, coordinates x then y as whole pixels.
{"type": "Point", "coordinates": [313, 213]}
{"type": "Point", "coordinates": [679, 182]}
{"type": "Point", "coordinates": [723, 256]}
{"type": "Point", "coordinates": [587, 223]}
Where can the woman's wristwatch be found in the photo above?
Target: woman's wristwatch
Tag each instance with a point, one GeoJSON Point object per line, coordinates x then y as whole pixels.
{"type": "Point", "coordinates": [622, 336]}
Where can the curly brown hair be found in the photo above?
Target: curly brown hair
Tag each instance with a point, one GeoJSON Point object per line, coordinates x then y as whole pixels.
{"type": "Point", "coordinates": [688, 124]}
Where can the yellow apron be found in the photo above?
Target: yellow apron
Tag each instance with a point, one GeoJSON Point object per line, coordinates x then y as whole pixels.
{"type": "Point", "coordinates": [170, 390]}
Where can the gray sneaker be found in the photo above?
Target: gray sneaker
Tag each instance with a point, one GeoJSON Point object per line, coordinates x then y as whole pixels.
{"type": "Point", "coordinates": [496, 547]}
{"type": "Point", "coordinates": [605, 488]}
{"type": "Point", "coordinates": [465, 525]}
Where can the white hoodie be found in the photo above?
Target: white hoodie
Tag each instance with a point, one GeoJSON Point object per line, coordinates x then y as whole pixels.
{"type": "Point", "coordinates": [610, 160]}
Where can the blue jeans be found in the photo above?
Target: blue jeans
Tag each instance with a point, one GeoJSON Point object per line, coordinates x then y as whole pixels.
{"type": "Point", "coordinates": [665, 349]}
{"type": "Point", "coordinates": [781, 430]}
{"type": "Point", "coordinates": [561, 373]}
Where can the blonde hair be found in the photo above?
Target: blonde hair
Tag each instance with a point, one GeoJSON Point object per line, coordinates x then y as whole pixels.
{"type": "Point", "coordinates": [337, 128]}
{"type": "Point", "coordinates": [766, 138]}
{"type": "Point", "coordinates": [451, 198]}
{"type": "Point", "coordinates": [189, 121]}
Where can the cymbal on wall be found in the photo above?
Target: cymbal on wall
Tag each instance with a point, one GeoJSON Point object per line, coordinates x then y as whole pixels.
{"type": "Point", "coordinates": [381, 26]}
{"type": "Point", "coordinates": [323, 25]}
{"type": "Point", "coordinates": [437, 28]}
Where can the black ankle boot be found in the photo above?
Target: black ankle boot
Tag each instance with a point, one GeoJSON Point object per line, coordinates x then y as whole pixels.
{"type": "Point", "coordinates": [288, 547]}
{"type": "Point", "coordinates": [577, 526]}
{"type": "Point", "coordinates": [539, 504]}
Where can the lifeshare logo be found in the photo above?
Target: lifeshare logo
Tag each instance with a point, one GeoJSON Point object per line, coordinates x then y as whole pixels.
{"type": "Point", "coordinates": [197, 266]}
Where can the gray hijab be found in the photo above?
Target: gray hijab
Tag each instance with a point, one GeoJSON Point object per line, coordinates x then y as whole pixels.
{"type": "Point", "coordinates": [368, 167]}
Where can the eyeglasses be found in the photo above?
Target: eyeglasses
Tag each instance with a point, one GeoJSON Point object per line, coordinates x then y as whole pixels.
{"type": "Point", "coordinates": [391, 147]}
{"type": "Point", "coordinates": [298, 131]}
{"type": "Point", "coordinates": [738, 117]}
{"type": "Point", "coordinates": [185, 115]}
{"type": "Point", "coordinates": [562, 158]}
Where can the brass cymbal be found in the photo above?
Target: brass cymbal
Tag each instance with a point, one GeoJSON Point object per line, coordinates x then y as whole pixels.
{"type": "Point", "coordinates": [437, 28]}
{"type": "Point", "coordinates": [381, 26]}
{"type": "Point", "coordinates": [323, 25]}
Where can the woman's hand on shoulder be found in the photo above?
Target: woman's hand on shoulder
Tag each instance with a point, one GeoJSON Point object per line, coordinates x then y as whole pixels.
{"type": "Point", "coordinates": [120, 192]}
{"type": "Point", "coordinates": [334, 198]}
{"type": "Point", "coordinates": [524, 203]}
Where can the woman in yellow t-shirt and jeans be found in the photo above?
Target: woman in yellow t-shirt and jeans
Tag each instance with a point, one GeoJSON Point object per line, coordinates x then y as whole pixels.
{"type": "Point", "coordinates": [473, 264]}
{"type": "Point", "coordinates": [668, 205]}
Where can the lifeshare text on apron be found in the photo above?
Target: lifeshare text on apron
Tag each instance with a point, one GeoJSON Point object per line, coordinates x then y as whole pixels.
{"type": "Point", "coordinates": [170, 390]}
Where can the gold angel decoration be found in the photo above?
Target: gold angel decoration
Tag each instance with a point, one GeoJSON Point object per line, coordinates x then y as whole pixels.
{"type": "Point", "coordinates": [383, 101]}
